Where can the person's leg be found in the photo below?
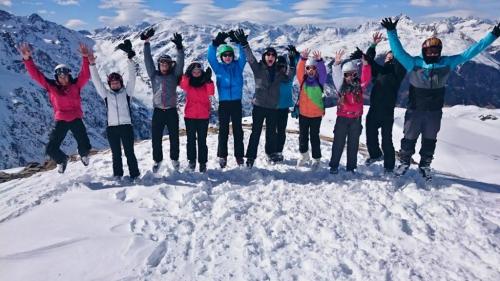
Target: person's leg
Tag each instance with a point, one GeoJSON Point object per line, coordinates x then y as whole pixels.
{"type": "Point", "coordinates": [157, 127]}
{"type": "Point", "coordinates": [224, 113]}
{"type": "Point", "coordinates": [258, 116]}
{"type": "Point", "coordinates": [127, 138]}
{"type": "Point", "coordinates": [271, 131]}
{"type": "Point", "coordinates": [387, 145]}
{"type": "Point", "coordinates": [339, 139]}
{"type": "Point", "coordinates": [431, 127]}
{"type": "Point", "coordinates": [412, 129]}
{"type": "Point", "coordinates": [201, 131]}
{"type": "Point", "coordinates": [315, 140]}
{"type": "Point", "coordinates": [56, 137]}
{"type": "Point", "coordinates": [353, 134]}
{"type": "Point", "coordinates": [191, 139]}
{"type": "Point", "coordinates": [372, 125]}
{"type": "Point", "coordinates": [281, 122]}
{"type": "Point", "coordinates": [173, 132]}
{"type": "Point", "coordinates": [236, 115]}
{"type": "Point", "coordinates": [80, 134]}
{"type": "Point", "coordinates": [304, 126]}
{"type": "Point", "coordinates": [113, 133]}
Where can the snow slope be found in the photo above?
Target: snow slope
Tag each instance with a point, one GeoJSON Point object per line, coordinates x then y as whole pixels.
{"type": "Point", "coordinates": [269, 223]}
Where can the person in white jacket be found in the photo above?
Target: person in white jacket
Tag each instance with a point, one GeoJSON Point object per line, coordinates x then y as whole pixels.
{"type": "Point", "coordinates": [117, 98]}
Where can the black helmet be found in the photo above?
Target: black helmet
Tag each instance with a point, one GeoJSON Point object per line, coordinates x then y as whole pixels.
{"type": "Point", "coordinates": [114, 76]}
{"type": "Point", "coordinates": [165, 59]}
{"type": "Point", "coordinates": [432, 44]}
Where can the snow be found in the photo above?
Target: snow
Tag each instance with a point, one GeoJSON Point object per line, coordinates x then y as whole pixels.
{"type": "Point", "coordinates": [273, 222]}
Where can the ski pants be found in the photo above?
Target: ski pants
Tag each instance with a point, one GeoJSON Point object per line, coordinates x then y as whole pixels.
{"type": "Point", "coordinates": [58, 134]}
{"type": "Point", "coordinates": [230, 111]}
{"type": "Point", "coordinates": [346, 129]}
{"type": "Point", "coordinates": [309, 129]}
{"type": "Point", "coordinates": [427, 123]}
{"type": "Point", "coordinates": [279, 130]}
{"type": "Point", "coordinates": [259, 114]}
{"type": "Point", "coordinates": [118, 136]}
{"type": "Point", "coordinates": [380, 119]}
{"type": "Point", "coordinates": [196, 130]}
{"type": "Point", "coordinates": [161, 118]}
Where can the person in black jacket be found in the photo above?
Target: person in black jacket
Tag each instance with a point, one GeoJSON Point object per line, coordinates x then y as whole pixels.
{"type": "Point", "coordinates": [386, 81]}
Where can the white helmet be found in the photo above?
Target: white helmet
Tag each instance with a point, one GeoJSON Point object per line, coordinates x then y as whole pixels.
{"type": "Point", "coordinates": [349, 66]}
{"type": "Point", "coordinates": [311, 62]}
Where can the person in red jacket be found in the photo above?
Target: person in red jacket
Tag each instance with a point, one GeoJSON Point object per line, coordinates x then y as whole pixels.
{"type": "Point", "coordinates": [64, 95]}
{"type": "Point", "coordinates": [349, 109]}
{"type": "Point", "coordinates": [198, 86]}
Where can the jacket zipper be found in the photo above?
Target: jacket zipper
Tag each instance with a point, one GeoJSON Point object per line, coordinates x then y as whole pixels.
{"type": "Point", "coordinates": [117, 110]}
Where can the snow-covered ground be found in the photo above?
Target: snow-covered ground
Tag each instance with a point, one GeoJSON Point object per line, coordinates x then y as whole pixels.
{"type": "Point", "coordinates": [269, 223]}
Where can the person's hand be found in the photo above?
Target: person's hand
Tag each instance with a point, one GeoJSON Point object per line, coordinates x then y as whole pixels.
{"type": "Point", "coordinates": [220, 39]}
{"type": "Point", "coordinates": [232, 37]}
{"type": "Point", "coordinates": [177, 39]}
{"type": "Point", "coordinates": [317, 55]}
{"type": "Point", "coordinates": [496, 30]}
{"type": "Point", "coordinates": [84, 50]}
{"type": "Point", "coordinates": [377, 37]}
{"type": "Point", "coordinates": [338, 56]}
{"type": "Point", "coordinates": [241, 36]}
{"type": "Point", "coordinates": [388, 24]}
{"type": "Point", "coordinates": [25, 50]}
{"type": "Point", "coordinates": [305, 53]}
{"type": "Point", "coordinates": [91, 57]}
{"type": "Point", "coordinates": [356, 55]}
{"type": "Point", "coordinates": [208, 74]}
{"type": "Point", "coordinates": [147, 34]}
{"type": "Point", "coordinates": [126, 46]}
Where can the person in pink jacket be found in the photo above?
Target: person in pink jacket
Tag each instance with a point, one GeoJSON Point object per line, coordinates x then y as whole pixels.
{"type": "Point", "coordinates": [64, 95]}
{"type": "Point", "coordinates": [348, 126]}
{"type": "Point", "coordinates": [198, 86]}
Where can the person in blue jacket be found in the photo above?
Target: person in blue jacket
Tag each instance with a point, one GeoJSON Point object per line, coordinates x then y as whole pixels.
{"type": "Point", "coordinates": [428, 74]}
{"type": "Point", "coordinates": [229, 74]}
{"type": "Point", "coordinates": [283, 62]}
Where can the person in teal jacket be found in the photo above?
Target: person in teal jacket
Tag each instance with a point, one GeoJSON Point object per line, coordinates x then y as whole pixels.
{"type": "Point", "coordinates": [285, 102]}
{"type": "Point", "coordinates": [229, 74]}
{"type": "Point", "coordinates": [428, 74]}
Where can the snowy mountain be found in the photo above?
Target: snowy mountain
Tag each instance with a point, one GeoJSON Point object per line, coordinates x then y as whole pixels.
{"type": "Point", "coordinates": [27, 116]}
{"type": "Point", "coordinates": [273, 222]}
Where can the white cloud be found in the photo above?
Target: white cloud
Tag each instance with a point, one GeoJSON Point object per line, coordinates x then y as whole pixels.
{"type": "Point", "coordinates": [67, 2]}
{"type": "Point", "coordinates": [455, 13]}
{"type": "Point", "coordinates": [311, 7]}
{"type": "Point", "coordinates": [45, 12]}
{"type": "Point", "coordinates": [75, 23]}
{"type": "Point", "coordinates": [128, 12]}
{"type": "Point", "coordinates": [7, 3]}
{"type": "Point", "coordinates": [433, 3]}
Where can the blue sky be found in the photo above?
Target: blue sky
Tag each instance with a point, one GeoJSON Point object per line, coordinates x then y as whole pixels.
{"type": "Point", "coordinates": [90, 14]}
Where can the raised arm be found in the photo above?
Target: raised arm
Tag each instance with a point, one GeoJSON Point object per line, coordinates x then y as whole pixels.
{"type": "Point", "coordinates": [399, 52]}
{"type": "Point", "coordinates": [472, 51]}
{"type": "Point", "coordinates": [366, 75]}
{"type": "Point", "coordinates": [338, 77]}
{"type": "Point", "coordinates": [184, 84]}
{"type": "Point", "coordinates": [34, 73]}
{"type": "Point", "coordinates": [242, 59]}
{"type": "Point", "coordinates": [301, 70]}
{"type": "Point", "coordinates": [148, 60]}
{"type": "Point", "coordinates": [84, 75]}
{"type": "Point", "coordinates": [179, 65]}
{"type": "Point", "coordinates": [130, 87]}
{"type": "Point", "coordinates": [320, 67]}
{"type": "Point", "coordinates": [212, 58]}
{"type": "Point", "coordinates": [94, 74]}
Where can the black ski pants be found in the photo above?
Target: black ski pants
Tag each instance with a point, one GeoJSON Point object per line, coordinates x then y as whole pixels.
{"type": "Point", "coordinates": [309, 129]}
{"type": "Point", "coordinates": [380, 119]}
{"type": "Point", "coordinates": [230, 111]}
{"type": "Point", "coordinates": [346, 129]}
{"type": "Point", "coordinates": [259, 114]}
{"type": "Point", "coordinates": [58, 134]}
{"type": "Point", "coordinates": [279, 130]}
{"type": "Point", "coordinates": [161, 118]}
{"type": "Point", "coordinates": [118, 136]}
{"type": "Point", "coordinates": [196, 130]}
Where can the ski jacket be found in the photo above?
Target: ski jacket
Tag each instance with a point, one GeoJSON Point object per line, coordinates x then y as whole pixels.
{"type": "Point", "coordinates": [117, 103]}
{"type": "Point", "coordinates": [267, 81]}
{"type": "Point", "coordinates": [386, 80]}
{"type": "Point", "coordinates": [286, 91]}
{"type": "Point", "coordinates": [350, 104]}
{"type": "Point", "coordinates": [164, 86]}
{"type": "Point", "coordinates": [311, 90]}
{"type": "Point", "coordinates": [428, 81]}
{"type": "Point", "coordinates": [197, 99]}
{"type": "Point", "coordinates": [229, 76]}
{"type": "Point", "coordinates": [66, 101]}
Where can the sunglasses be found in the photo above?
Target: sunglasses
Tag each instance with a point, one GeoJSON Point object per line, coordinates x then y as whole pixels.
{"type": "Point", "coordinates": [432, 51]}
{"type": "Point", "coordinates": [228, 54]}
{"type": "Point", "coordinates": [350, 74]}
{"type": "Point", "coordinates": [63, 71]}
{"type": "Point", "coordinates": [310, 67]}
{"type": "Point", "coordinates": [270, 54]}
{"type": "Point", "coordinates": [166, 61]}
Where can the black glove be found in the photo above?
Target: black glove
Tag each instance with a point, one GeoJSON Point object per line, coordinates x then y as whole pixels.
{"type": "Point", "coordinates": [148, 33]}
{"type": "Point", "coordinates": [177, 39]}
{"type": "Point", "coordinates": [368, 59]}
{"type": "Point", "coordinates": [220, 38]}
{"type": "Point", "coordinates": [126, 46]}
{"type": "Point", "coordinates": [496, 30]}
{"type": "Point", "coordinates": [207, 77]}
{"type": "Point", "coordinates": [356, 55]}
{"type": "Point", "coordinates": [388, 24]}
{"type": "Point", "coordinates": [241, 37]}
{"type": "Point", "coordinates": [232, 36]}
{"type": "Point", "coordinates": [292, 53]}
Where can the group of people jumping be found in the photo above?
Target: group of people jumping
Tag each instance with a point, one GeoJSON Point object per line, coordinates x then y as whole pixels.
{"type": "Point", "coordinates": [272, 101]}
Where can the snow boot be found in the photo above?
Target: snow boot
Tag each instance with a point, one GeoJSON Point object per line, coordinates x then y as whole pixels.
{"type": "Point", "coordinates": [304, 160]}
{"type": "Point", "coordinates": [334, 171]}
{"type": "Point", "coordinates": [222, 162]}
{"type": "Point", "coordinates": [402, 169]}
{"type": "Point", "coordinates": [192, 165]}
{"type": "Point", "coordinates": [370, 161]}
{"type": "Point", "coordinates": [156, 167]}
{"type": "Point", "coordinates": [425, 171]}
{"type": "Point", "coordinates": [316, 163]}
{"type": "Point", "coordinates": [279, 157]}
{"type": "Point", "coordinates": [203, 167]}
{"type": "Point", "coordinates": [62, 166]}
{"type": "Point", "coordinates": [250, 162]}
{"type": "Point", "coordinates": [176, 165]}
{"type": "Point", "coordinates": [85, 160]}
{"type": "Point", "coordinates": [240, 162]}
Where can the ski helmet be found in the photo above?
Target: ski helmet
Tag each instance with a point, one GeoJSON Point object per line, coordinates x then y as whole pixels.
{"type": "Point", "coordinates": [225, 48]}
{"type": "Point", "coordinates": [62, 69]}
{"type": "Point", "coordinates": [165, 59]}
{"type": "Point", "coordinates": [311, 62]}
{"type": "Point", "coordinates": [434, 44]}
{"type": "Point", "coordinates": [349, 66]}
{"type": "Point", "coordinates": [114, 76]}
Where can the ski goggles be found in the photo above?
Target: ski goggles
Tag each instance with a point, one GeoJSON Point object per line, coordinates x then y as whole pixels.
{"type": "Point", "coordinates": [432, 51]}
{"type": "Point", "coordinates": [351, 74]}
{"type": "Point", "coordinates": [227, 54]}
{"type": "Point", "coordinates": [310, 67]}
{"type": "Point", "coordinates": [270, 54]}
{"type": "Point", "coordinates": [63, 71]}
{"type": "Point", "coordinates": [166, 61]}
